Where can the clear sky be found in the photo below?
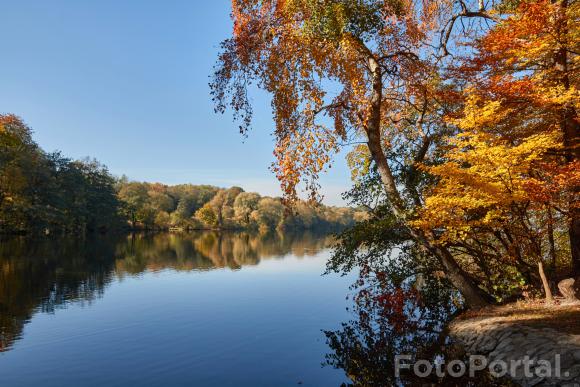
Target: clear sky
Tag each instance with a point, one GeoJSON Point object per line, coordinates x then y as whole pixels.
{"type": "Point", "coordinates": [126, 82]}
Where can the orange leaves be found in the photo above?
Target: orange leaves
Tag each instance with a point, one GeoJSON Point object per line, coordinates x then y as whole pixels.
{"type": "Point", "coordinates": [302, 157]}
{"type": "Point", "coordinates": [9, 120]}
{"type": "Point", "coordinates": [523, 29]}
{"type": "Point", "coordinates": [517, 57]}
{"type": "Point", "coordinates": [253, 26]}
{"type": "Point", "coordinates": [313, 58]}
{"type": "Point", "coordinates": [553, 181]}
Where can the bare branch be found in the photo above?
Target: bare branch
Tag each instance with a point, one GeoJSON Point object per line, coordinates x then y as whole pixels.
{"type": "Point", "coordinates": [465, 13]}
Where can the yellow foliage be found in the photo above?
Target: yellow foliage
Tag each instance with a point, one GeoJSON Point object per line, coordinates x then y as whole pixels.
{"type": "Point", "coordinates": [484, 175]}
{"type": "Point", "coordinates": [359, 161]}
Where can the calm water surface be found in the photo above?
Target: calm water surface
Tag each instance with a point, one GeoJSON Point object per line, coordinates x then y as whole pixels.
{"type": "Point", "coordinates": [203, 309]}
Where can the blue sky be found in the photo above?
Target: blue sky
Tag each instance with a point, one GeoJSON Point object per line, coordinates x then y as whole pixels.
{"type": "Point", "coordinates": [125, 81]}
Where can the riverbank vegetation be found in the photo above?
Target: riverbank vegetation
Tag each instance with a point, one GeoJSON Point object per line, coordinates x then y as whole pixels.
{"type": "Point", "coordinates": [186, 206]}
{"type": "Point", "coordinates": [462, 116]}
{"type": "Point", "coordinates": [44, 192]}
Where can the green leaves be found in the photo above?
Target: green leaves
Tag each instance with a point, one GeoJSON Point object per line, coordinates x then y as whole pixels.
{"type": "Point", "coordinates": [42, 192]}
{"type": "Point", "coordinates": [329, 20]}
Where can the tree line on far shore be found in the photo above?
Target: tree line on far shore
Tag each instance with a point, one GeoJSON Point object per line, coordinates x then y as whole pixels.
{"type": "Point", "coordinates": [186, 206]}
{"type": "Point", "coordinates": [43, 192]}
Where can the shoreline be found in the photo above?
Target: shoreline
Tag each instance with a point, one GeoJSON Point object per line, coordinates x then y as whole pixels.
{"type": "Point", "coordinates": [520, 332]}
{"type": "Point", "coordinates": [129, 231]}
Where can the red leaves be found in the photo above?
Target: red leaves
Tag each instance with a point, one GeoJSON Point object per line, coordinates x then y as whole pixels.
{"type": "Point", "coordinates": [555, 180]}
{"type": "Point", "coordinates": [395, 308]}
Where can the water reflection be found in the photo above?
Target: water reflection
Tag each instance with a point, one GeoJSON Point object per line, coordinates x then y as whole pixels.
{"type": "Point", "coordinates": [394, 317]}
{"type": "Point", "coordinates": [390, 319]}
{"type": "Point", "coordinates": [45, 275]}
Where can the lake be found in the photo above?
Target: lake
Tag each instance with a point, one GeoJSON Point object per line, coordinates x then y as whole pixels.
{"type": "Point", "coordinates": [195, 309]}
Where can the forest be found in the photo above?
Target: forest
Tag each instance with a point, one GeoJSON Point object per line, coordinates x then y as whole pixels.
{"type": "Point", "coordinates": [42, 193]}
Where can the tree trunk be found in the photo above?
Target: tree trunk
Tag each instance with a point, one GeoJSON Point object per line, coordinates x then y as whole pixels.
{"type": "Point", "coordinates": [551, 241]}
{"type": "Point", "coordinates": [570, 128]}
{"type": "Point", "coordinates": [574, 233]}
{"type": "Point", "coordinates": [549, 297]}
{"type": "Point", "coordinates": [473, 295]}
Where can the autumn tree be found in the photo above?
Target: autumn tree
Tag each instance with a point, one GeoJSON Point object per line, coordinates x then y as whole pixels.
{"type": "Point", "coordinates": [18, 155]}
{"type": "Point", "coordinates": [219, 210]}
{"type": "Point", "coordinates": [485, 204]}
{"type": "Point", "coordinates": [244, 205]}
{"type": "Point", "coordinates": [190, 198]}
{"type": "Point", "coordinates": [343, 71]}
{"type": "Point", "coordinates": [208, 215]}
{"type": "Point", "coordinates": [269, 214]}
{"type": "Point", "coordinates": [523, 93]}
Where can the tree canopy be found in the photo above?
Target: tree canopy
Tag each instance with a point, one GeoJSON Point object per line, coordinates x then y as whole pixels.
{"type": "Point", "coordinates": [463, 113]}
{"type": "Point", "coordinates": [41, 192]}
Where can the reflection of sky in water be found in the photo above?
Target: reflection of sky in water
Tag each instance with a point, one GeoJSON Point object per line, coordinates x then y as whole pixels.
{"type": "Point", "coordinates": [260, 325]}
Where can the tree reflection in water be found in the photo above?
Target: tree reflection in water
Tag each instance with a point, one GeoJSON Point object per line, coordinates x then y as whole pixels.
{"type": "Point", "coordinates": [394, 315]}
{"type": "Point", "coordinates": [44, 275]}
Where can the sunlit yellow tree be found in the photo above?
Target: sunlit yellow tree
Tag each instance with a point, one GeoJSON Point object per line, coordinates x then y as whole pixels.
{"type": "Point", "coordinates": [512, 173]}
